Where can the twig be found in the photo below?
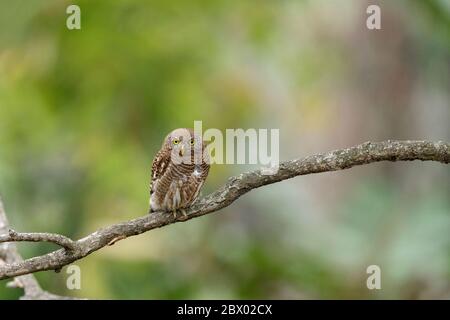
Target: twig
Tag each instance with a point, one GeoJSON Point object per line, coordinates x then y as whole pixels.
{"type": "Point", "coordinates": [58, 239]}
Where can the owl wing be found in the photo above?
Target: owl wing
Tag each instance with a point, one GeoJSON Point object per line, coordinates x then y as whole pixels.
{"type": "Point", "coordinates": [159, 167]}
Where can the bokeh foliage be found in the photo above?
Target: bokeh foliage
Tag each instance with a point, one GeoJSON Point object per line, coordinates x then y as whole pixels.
{"type": "Point", "coordinates": [83, 112]}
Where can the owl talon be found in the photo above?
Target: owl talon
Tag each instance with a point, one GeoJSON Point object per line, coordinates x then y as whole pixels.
{"type": "Point", "coordinates": [174, 212]}
{"type": "Point", "coordinates": [183, 212]}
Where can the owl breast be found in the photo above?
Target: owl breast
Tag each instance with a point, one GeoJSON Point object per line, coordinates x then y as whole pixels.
{"type": "Point", "coordinates": [179, 188]}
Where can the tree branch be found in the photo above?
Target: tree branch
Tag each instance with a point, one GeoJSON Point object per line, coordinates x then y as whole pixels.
{"type": "Point", "coordinates": [9, 255]}
{"type": "Point", "coordinates": [58, 239]}
{"type": "Point", "coordinates": [365, 153]}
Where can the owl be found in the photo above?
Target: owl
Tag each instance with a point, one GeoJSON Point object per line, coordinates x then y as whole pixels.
{"type": "Point", "coordinates": [178, 171]}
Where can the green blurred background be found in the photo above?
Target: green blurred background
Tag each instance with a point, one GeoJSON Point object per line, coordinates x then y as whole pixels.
{"type": "Point", "coordinates": [83, 112]}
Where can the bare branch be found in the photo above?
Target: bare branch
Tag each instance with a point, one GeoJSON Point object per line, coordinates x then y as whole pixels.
{"type": "Point", "coordinates": [58, 239]}
{"type": "Point", "coordinates": [365, 153]}
{"type": "Point", "coordinates": [9, 255]}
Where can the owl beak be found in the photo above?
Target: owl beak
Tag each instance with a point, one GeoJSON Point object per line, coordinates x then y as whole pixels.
{"type": "Point", "coordinates": [181, 150]}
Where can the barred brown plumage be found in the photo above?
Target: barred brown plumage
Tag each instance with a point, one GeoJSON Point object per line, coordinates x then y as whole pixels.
{"type": "Point", "coordinates": [176, 177]}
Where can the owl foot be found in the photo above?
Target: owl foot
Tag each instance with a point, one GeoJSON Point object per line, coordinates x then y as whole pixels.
{"type": "Point", "coordinates": [174, 212]}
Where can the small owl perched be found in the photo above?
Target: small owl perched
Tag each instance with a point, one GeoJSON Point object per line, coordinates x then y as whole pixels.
{"type": "Point", "coordinates": [178, 171]}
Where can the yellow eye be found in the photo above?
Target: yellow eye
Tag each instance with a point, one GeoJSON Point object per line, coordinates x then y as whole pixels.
{"type": "Point", "coordinates": [176, 141]}
{"type": "Point", "coordinates": [192, 142]}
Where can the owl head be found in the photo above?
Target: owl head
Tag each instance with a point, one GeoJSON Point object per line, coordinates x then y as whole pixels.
{"type": "Point", "coordinates": [184, 144]}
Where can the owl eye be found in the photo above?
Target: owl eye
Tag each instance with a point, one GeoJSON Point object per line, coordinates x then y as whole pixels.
{"type": "Point", "coordinates": [192, 142]}
{"type": "Point", "coordinates": [176, 141]}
